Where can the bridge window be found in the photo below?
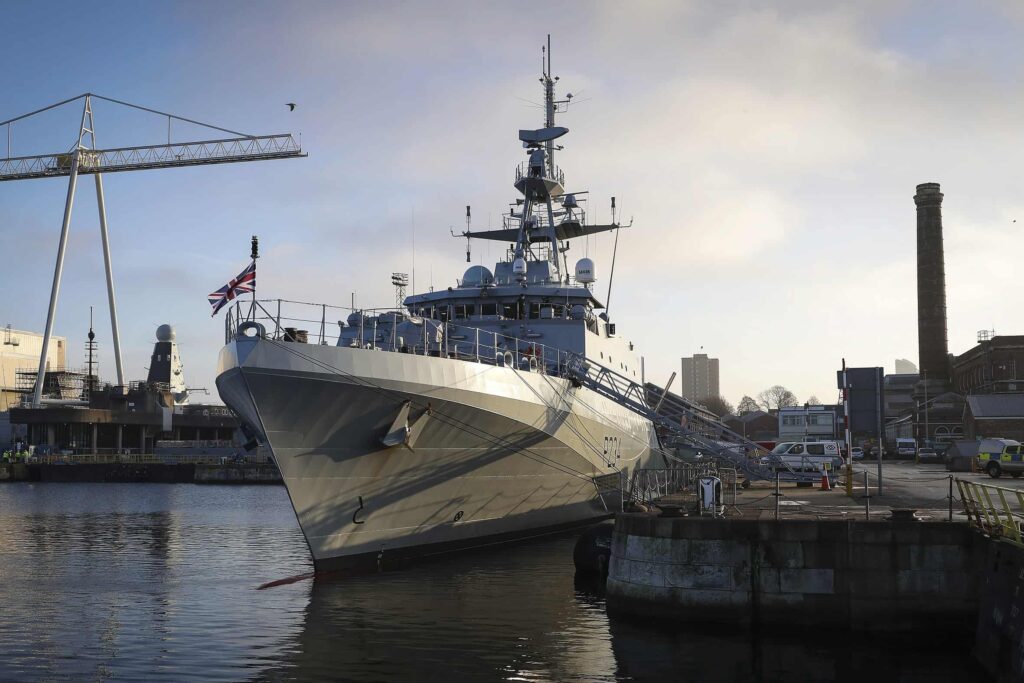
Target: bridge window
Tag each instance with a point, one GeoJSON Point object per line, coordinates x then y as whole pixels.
{"type": "Point", "coordinates": [489, 309]}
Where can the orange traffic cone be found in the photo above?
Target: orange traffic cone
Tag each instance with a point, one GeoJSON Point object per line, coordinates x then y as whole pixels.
{"type": "Point", "coordinates": [825, 485]}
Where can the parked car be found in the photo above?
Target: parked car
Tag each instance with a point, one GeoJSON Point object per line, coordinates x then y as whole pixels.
{"type": "Point", "coordinates": [925, 454]}
{"type": "Point", "coordinates": [858, 453]}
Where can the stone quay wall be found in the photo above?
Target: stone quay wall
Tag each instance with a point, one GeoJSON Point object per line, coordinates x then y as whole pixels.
{"type": "Point", "coordinates": [877, 576]}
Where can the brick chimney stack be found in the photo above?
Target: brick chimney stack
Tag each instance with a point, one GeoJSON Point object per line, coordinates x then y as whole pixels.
{"type": "Point", "coordinates": [932, 343]}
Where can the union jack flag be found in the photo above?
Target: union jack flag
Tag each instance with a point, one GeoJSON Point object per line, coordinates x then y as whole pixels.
{"type": "Point", "coordinates": [245, 282]}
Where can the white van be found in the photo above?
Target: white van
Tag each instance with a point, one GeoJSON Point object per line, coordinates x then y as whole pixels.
{"type": "Point", "coordinates": [804, 455]}
{"type": "Point", "coordinates": [906, 448]}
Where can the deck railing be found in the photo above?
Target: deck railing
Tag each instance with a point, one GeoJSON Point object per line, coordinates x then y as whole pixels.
{"type": "Point", "coordinates": [377, 330]}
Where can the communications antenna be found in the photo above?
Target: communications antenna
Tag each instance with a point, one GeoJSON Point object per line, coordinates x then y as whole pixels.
{"type": "Point", "coordinates": [90, 349]}
{"type": "Point", "coordinates": [85, 157]}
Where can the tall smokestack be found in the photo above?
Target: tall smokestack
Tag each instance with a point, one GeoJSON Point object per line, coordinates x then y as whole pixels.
{"type": "Point", "coordinates": [932, 343]}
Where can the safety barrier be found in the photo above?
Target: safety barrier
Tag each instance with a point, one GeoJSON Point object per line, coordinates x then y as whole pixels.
{"type": "Point", "coordinates": [648, 485]}
{"type": "Point", "coordinates": [995, 510]}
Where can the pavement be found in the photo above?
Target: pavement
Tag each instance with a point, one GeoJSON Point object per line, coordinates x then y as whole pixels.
{"type": "Point", "coordinates": [924, 488]}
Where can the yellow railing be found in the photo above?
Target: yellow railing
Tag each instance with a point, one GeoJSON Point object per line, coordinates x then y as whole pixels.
{"type": "Point", "coordinates": [995, 510]}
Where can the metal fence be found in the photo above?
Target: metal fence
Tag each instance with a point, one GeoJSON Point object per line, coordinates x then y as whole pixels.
{"type": "Point", "coordinates": [649, 485]}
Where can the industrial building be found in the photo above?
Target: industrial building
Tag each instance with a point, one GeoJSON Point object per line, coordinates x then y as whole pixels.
{"type": "Point", "coordinates": [757, 425]}
{"type": "Point", "coordinates": [810, 423]}
{"type": "Point", "coordinates": [81, 416]}
{"type": "Point", "coordinates": [20, 352]}
{"type": "Point", "coordinates": [994, 366]}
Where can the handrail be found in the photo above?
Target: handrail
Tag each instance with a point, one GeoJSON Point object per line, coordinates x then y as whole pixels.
{"type": "Point", "coordinates": [458, 339]}
{"type": "Point", "coordinates": [998, 518]}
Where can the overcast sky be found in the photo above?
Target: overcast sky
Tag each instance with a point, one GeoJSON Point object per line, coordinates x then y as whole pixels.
{"type": "Point", "coordinates": [768, 158]}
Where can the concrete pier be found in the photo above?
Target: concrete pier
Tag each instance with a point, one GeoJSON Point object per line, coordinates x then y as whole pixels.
{"type": "Point", "coordinates": [877, 576]}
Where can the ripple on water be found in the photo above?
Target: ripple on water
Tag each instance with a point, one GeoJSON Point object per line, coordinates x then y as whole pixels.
{"type": "Point", "coordinates": [159, 582]}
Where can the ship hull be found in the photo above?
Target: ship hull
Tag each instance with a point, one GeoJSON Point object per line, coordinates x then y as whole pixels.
{"type": "Point", "coordinates": [479, 454]}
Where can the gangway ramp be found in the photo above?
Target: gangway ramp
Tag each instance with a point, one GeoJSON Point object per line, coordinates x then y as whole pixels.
{"type": "Point", "coordinates": [675, 417]}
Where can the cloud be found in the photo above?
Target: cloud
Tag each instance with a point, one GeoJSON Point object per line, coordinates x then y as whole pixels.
{"type": "Point", "coordinates": [768, 157]}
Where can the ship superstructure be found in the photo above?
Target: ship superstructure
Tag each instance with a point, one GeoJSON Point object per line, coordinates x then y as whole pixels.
{"type": "Point", "coordinates": [459, 419]}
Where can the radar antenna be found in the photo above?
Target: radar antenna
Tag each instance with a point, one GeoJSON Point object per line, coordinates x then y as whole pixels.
{"type": "Point", "coordinates": [400, 281]}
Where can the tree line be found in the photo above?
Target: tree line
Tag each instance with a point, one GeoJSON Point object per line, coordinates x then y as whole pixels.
{"type": "Point", "coordinates": [772, 398]}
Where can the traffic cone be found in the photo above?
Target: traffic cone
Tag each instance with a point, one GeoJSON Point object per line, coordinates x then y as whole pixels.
{"type": "Point", "coordinates": [825, 485]}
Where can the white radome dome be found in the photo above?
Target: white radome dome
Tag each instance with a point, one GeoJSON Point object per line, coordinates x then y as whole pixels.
{"type": "Point", "coordinates": [477, 276]}
{"type": "Point", "coordinates": [585, 272]}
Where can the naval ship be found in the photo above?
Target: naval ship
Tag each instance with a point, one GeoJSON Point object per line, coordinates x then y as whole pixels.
{"type": "Point", "coordinates": [457, 420]}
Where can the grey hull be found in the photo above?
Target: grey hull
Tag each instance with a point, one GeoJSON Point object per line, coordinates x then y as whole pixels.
{"type": "Point", "coordinates": [490, 453]}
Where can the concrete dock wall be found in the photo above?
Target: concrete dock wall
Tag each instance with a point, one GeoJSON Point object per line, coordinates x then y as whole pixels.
{"type": "Point", "coordinates": [239, 474]}
{"type": "Point", "coordinates": [874, 576]}
{"type": "Point", "coordinates": [165, 473]}
{"type": "Point", "coordinates": [999, 644]}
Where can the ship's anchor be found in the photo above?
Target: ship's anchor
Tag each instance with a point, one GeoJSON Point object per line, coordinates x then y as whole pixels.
{"type": "Point", "coordinates": [358, 510]}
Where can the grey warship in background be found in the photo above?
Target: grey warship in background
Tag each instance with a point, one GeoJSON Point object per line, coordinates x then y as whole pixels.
{"type": "Point", "coordinates": [458, 420]}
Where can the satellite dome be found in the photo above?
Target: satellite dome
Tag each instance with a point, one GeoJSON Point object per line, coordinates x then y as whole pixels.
{"type": "Point", "coordinates": [519, 268]}
{"type": "Point", "coordinates": [165, 333]}
{"type": "Point", "coordinates": [585, 271]}
{"type": "Point", "coordinates": [477, 276]}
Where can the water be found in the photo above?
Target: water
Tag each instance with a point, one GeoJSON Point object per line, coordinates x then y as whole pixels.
{"type": "Point", "coordinates": [160, 582]}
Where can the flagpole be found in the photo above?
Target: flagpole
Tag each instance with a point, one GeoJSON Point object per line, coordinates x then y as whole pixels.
{"type": "Point", "coordinates": [255, 255]}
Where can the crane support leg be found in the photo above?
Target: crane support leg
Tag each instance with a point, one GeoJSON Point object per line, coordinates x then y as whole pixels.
{"type": "Point", "coordinates": [58, 270]}
{"type": "Point", "coordinates": [110, 278]}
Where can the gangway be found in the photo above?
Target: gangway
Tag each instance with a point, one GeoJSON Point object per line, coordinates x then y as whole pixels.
{"type": "Point", "coordinates": [686, 422]}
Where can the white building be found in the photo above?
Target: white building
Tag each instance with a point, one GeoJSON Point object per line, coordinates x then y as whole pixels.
{"type": "Point", "coordinates": [809, 423]}
{"type": "Point", "coordinates": [19, 350]}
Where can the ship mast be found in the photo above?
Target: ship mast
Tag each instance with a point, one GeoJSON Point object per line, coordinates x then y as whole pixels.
{"type": "Point", "coordinates": [549, 105]}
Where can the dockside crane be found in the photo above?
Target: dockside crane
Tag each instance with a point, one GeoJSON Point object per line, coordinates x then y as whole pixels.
{"type": "Point", "coordinates": [85, 157]}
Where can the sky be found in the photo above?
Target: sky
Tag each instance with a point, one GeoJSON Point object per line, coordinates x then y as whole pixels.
{"type": "Point", "coordinates": [767, 155]}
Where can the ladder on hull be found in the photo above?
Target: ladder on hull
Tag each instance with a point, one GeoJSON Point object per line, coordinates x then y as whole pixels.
{"type": "Point", "coordinates": [678, 419]}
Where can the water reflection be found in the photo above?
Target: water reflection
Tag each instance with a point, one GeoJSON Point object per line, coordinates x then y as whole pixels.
{"type": "Point", "coordinates": [507, 615]}
{"type": "Point", "coordinates": [159, 582]}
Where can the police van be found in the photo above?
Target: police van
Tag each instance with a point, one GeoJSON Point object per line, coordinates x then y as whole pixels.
{"type": "Point", "coordinates": [996, 456]}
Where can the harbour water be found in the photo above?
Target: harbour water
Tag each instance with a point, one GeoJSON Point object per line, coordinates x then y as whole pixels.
{"type": "Point", "coordinates": [161, 582]}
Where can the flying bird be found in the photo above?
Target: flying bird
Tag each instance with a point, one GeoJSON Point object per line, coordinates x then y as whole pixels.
{"type": "Point", "coordinates": [291, 106]}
